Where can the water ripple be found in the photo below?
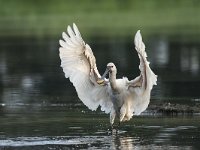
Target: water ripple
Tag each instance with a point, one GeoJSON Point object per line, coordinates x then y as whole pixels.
{"type": "Point", "coordinates": [57, 140]}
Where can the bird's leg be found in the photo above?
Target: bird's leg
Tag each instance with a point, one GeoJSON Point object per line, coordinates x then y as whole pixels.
{"type": "Point", "coordinates": [118, 124]}
{"type": "Point", "coordinates": [112, 127]}
{"type": "Point", "coordinates": [117, 127]}
{"type": "Point", "coordinates": [122, 112]}
{"type": "Point", "coordinates": [112, 116]}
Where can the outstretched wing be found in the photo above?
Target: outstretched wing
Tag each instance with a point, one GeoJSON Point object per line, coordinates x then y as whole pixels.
{"type": "Point", "coordinates": [79, 65]}
{"type": "Point", "coordinates": [142, 85]}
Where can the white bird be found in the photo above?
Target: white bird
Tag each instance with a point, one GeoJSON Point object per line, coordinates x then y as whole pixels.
{"type": "Point", "coordinates": [119, 97]}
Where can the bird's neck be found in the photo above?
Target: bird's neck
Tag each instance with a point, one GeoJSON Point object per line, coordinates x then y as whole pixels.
{"type": "Point", "coordinates": [112, 79]}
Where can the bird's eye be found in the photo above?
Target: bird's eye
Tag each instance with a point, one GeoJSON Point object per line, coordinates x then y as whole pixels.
{"type": "Point", "coordinates": [111, 66]}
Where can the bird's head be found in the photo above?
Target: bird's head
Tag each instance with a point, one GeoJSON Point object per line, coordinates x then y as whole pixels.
{"type": "Point", "coordinates": [111, 68]}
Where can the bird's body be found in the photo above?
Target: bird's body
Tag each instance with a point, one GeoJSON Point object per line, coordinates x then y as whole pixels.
{"type": "Point", "coordinates": [119, 97]}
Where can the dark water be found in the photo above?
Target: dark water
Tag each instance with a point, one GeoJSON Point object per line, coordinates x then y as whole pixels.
{"type": "Point", "coordinates": [62, 127]}
{"type": "Point", "coordinates": [39, 108]}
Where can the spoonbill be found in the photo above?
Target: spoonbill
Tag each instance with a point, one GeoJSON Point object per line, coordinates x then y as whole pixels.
{"type": "Point", "coordinates": [122, 98]}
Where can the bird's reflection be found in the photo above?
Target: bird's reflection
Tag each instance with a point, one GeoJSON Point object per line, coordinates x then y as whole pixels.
{"type": "Point", "coordinates": [123, 141]}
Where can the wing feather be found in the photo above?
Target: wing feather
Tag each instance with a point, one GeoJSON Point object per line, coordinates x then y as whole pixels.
{"type": "Point", "coordinates": [78, 34]}
{"type": "Point", "coordinates": [140, 88]}
{"type": "Point", "coordinates": [79, 65]}
{"type": "Point", "coordinates": [67, 39]}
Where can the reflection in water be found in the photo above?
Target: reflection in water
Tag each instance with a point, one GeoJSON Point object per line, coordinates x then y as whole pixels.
{"type": "Point", "coordinates": [30, 68]}
{"type": "Point", "coordinates": [195, 61]}
{"type": "Point", "coordinates": [118, 52]}
{"type": "Point", "coordinates": [159, 52]}
{"type": "Point", "coordinates": [123, 142]}
{"type": "Point", "coordinates": [25, 93]}
{"type": "Point", "coordinates": [185, 61]}
{"type": "Point", "coordinates": [120, 141]}
{"type": "Point", "coordinates": [27, 82]}
{"type": "Point", "coordinates": [3, 65]}
{"type": "Point", "coordinates": [179, 70]}
{"type": "Point", "coordinates": [190, 60]}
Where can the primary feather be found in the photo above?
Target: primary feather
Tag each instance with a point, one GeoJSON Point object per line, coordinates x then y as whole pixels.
{"type": "Point", "coordinates": [119, 97]}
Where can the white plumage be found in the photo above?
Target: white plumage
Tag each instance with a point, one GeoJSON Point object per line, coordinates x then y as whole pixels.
{"type": "Point", "coordinates": [119, 97]}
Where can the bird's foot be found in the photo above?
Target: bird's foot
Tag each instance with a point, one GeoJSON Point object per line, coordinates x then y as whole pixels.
{"type": "Point", "coordinates": [115, 129]}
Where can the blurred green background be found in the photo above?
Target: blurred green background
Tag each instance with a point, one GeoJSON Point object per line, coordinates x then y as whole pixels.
{"type": "Point", "coordinates": [173, 18]}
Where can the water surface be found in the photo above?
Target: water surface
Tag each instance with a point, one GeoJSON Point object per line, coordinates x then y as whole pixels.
{"type": "Point", "coordinates": [59, 127]}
